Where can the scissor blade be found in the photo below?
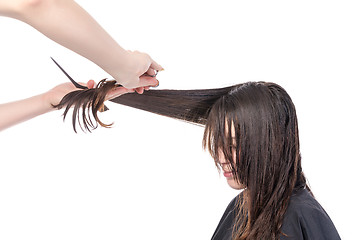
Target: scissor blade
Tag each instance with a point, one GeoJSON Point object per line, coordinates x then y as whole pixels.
{"type": "Point", "coordinates": [72, 80]}
{"type": "Point", "coordinates": [75, 83]}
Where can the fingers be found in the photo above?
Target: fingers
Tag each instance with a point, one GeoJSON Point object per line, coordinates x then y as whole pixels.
{"type": "Point", "coordinates": [90, 84]}
{"type": "Point", "coordinates": [154, 65]}
{"type": "Point", "coordinates": [146, 81]}
{"type": "Point", "coordinates": [145, 72]}
{"type": "Point", "coordinates": [139, 90]}
{"type": "Point", "coordinates": [151, 72]}
{"type": "Point", "coordinates": [118, 92]}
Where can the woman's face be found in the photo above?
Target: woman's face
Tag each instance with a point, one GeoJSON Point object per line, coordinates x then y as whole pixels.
{"type": "Point", "coordinates": [226, 167]}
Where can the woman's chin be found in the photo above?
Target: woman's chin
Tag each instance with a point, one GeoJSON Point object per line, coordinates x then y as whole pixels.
{"type": "Point", "coordinates": [234, 184]}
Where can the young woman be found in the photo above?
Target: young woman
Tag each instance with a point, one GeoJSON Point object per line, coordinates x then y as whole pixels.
{"type": "Point", "coordinates": [252, 134]}
{"type": "Point", "coordinates": [251, 131]}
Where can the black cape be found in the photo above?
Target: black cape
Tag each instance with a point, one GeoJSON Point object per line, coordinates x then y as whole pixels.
{"type": "Point", "coordinates": [304, 219]}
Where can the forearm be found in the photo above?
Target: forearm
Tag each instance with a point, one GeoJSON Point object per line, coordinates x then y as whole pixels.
{"type": "Point", "coordinates": [65, 22]}
{"type": "Point", "coordinates": [19, 111]}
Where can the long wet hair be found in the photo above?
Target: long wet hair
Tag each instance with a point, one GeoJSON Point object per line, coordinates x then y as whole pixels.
{"type": "Point", "coordinates": [266, 160]}
{"type": "Point", "coordinates": [263, 152]}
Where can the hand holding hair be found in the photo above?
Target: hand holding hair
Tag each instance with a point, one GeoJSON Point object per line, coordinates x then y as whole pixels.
{"type": "Point", "coordinates": [90, 98]}
{"type": "Point", "coordinates": [140, 71]}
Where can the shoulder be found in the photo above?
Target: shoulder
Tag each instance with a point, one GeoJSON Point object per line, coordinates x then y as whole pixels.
{"type": "Point", "coordinates": [229, 214]}
{"type": "Point", "coordinates": [233, 202]}
{"type": "Point", "coordinates": [303, 203]}
{"type": "Point", "coordinates": [225, 226]}
{"type": "Point", "coordinates": [305, 217]}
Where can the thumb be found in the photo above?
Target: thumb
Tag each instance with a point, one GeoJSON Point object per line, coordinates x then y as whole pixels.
{"type": "Point", "coordinates": [154, 65]}
{"type": "Point", "coordinates": [148, 81]}
{"type": "Point", "coordinates": [90, 84]}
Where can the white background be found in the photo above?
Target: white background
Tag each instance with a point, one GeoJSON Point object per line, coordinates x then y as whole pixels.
{"type": "Point", "coordinates": [148, 177]}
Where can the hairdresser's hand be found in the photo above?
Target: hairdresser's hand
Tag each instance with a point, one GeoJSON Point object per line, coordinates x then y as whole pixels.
{"type": "Point", "coordinates": [136, 71]}
{"type": "Point", "coordinates": [118, 92]}
{"type": "Point", "coordinates": [54, 95]}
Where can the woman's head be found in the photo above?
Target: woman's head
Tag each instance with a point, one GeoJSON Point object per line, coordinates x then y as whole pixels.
{"type": "Point", "coordinates": [252, 134]}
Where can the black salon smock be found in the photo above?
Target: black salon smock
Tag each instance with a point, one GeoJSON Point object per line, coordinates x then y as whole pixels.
{"type": "Point", "coordinates": [304, 219]}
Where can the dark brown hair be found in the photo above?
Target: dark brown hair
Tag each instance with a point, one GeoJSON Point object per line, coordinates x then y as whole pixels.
{"type": "Point", "coordinates": [188, 105]}
{"type": "Point", "coordinates": [86, 101]}
{"type": "Point", "coordinates": [267, 158]}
